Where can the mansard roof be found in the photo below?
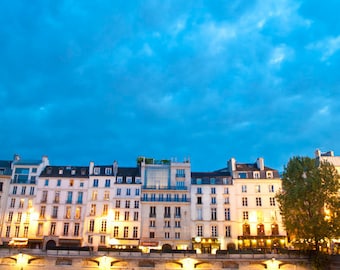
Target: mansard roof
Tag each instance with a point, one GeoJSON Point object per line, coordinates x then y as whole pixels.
{"type": "Point", "coordinates": [5, 167]}
{"type": "Point", "coordinates": [65, 171]}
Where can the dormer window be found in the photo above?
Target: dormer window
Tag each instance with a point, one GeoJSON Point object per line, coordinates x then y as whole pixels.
{"type": "Point", "coordinates": [49, 170]}
{"type": "Point", "coordinates": [137, 180]}
{"type": "Point", "coordinates": [269, 174]}
{"type": "Point", "coordinates": [73, 172]}
{"type": "Point", "coordinates": [129, 180]}
{"type": "Point", "coordinates": [108, 171]}
{"type": "Point", "coordinates": [256, 175]}
{"type": "Point", "coordinates": [60, 171]}
{"type": "Point", "coordinates": [96, 170]}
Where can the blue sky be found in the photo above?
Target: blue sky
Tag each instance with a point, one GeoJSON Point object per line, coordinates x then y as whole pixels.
{"type": "Point", "coordinates": [110, 80]}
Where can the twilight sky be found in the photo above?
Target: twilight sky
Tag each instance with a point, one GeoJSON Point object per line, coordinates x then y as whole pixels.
{"type": "Point", "coordinates": [106, 80]}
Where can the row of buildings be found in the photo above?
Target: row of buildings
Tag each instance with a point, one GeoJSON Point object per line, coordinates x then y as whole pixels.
{"type": "Point", "coordinates": [158, 204]}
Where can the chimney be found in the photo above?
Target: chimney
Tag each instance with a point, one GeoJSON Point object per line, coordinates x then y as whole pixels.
{"type": "Point", "coordinates": [91, 168]}
{"type": "Point", "coordinates": [16, 157]}
{"type": "Point", "coordinates": [317, 153]}
{"type": "Point", "coordinates": [232, 165]}
{"type": "Point", "coordinates": [260, 164]}
{"type": "Point", "coordinates": [45, 160]}
{"type": "Point", "coordinates": [115, 168]}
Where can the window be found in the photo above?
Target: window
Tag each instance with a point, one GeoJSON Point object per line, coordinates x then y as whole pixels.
{"type": "Point", "coordinates": [227, 231]}
{"type": "Point", "coordinates": [177, 235]}
{"type": "Point", "coordinates": [76, 229]}
{"type": "Point", "coordinates": [152, 211]}
{"type": "Point", "coordinates": [56, 197]}
{"type": "Point", "coordinates": [55, 212]}
{"type": "Point", "coordinates": [126, 215]}
{"type": "Point", "coordinates": [199, 200]}
{"type": "Point", "coordinates": [10, 216]}
{"type": "Point", "coordinates": [227, 213]}
{"type": "Point", "coordinates": [126, 231]}
{"type": "Point", "coordinates": [116, 215]}
{"type": "Point", "coordinates": [152, 223]}
{"type": "Point", "coordinates": [71, 183]}
{"type": "Point", "coordinates": [58, 182]}
{"type": "Point", "coordinates": [199, 230]}
{"type": "Point", "coordinates": [21, 203]}
{"type": "Point", "coordinates": [176, 197]}
{"type": "Point", "coordinates": [226, 190]}
{"type": "Point", "coordinates": [103, 225]}
{"type": "Point", "coordinates": [258, 201]}
{"type": "Point", "coordinates": [271, 188]}
{"type": "Point", "coordinates": [177, 224]}
{"type": "Point", "coordinates": [246, 229]}
{"type": "Point", "coordinates": [275, 229]}
{"type": "Point", "coordinates": [137, 192]}
{"type": "Point", "coordinates": [68, 212]}
{"type": "Point", "coordinates": [19, 216]}
{"type": "Point", "coordinates": [117, 203]}
{"type": "Point", "coordinates": [272, 201]}
{"type": "Point", "coordinates": [129, 180]}
{"type": "Point", "coordinates": [40, 229]}
{"type": "Point", "coordinates": [199, 190]}
{"type": "Point", "coordinates": [78, 213]}
{"type": "Point", "coordinates": [244, 188]}
{"type": "Point", "coordinates": [93, 210]}
{"type": "Point", "coordinates": [96, 170]}
{"type": "Point", "coordinates": [119, 191]}
{"type": "Point", "coordinates": [31, 190]}
{"type": "Point", "coordinates": [213, 231]}
{"type": "Point", "coordinates": [177, 212]}
{"type": "Point", "coordinates": [107, 183]}
{"type": "Point", "coordinates": [91, 225]}
{"type": "Point", "coordinates": [256, 175]}
{"type": "Point", "coordinates": [90, 239]}
{"type": "Point", "coordinates": [213, 200]}
{"type": "Point", "coordinates": [269, 174]}
{"type": "Point", "coordinates": [46, 182]}
{"type": "Point", "coordinates": [108, 171]}
{"type": "Point", "coordinates": [105, 209]}
{"type": "Point", "coordinates": [8, 231]}
{"type": "Point", "coordinates": [226, 200]}
{"type": "Point", "coordinates": [260, 230]}
{"type": "Point", "coordinates": [23, 190]}
{"type": "Point", "coordinates": [102, 239]}
{"type": "Point", "coordinates": [15, 188]}
{"type": "Point", "coordinates": [53, 228]}
{"type": "Point", "coordinates": [199, 181]}
{"type": "Point", "coordinates": [166, 235]}
{"type": "Point", "coordinates": [73, 172]}
{"type": "Point", "coordinates": [212, 181]}
{"type": "Point", "coordinates": [127, 204]}
{"type": "Point", "coordinates": [180, 173]}
{"type": "Point", "coordinates": [152, 235]}
{"type": "Point", "coordinates": [213, 190]}
{"type": "Point", "coordinates": [34, 170]}
{"type": "Point", "coordinates": [12, 203]}
{"type": "Point", "coordinates": [69, 197]}
{"type": "Point", "coordinates": [115, 231]}
{"type": "Point", "coordinates": [106, 195]}
{"type": "Point", "coordinates": [199, 213]}
{"type": "Point", "coordinates": [257, 188]}
{"type": "Point", "coordinates": [244, 201]}
{"type": "Point", "coordinates": [128, 191]}
{"type": "Point", "coordinates": [245, 215]}
{"type": "Point", "coordinates": [137, 180]}
{"type": "Point", "coordinates": [167, 213]}
{"type": "Point", "coordinates": [153, 197]}
{"type": "Point", "coordinates": [135, 232]}
{"type": "Point", "coordinates": [66, 227]}
{"type": "Point", "coordinates": [42, 211]}
{"type": "Point", "coordinates": [95, 182]}
{"type": "Point", "coordinates": [213, 214]}
{"type": "Point", "coordinates": [119, 180]}
{"type": "Point", "coordinates": [135, 216]}
{"type": "Point", "coordinates": [80, 197]}
{"type": "Point", "coordinates": [44, 196]}
{"type": "Point", "coordinates": [242, 175]}
{"type": "Point", "coordinates": [136, 204]}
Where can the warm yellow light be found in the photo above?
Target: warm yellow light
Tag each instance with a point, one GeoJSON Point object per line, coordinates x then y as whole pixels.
{"type": "Point", "coordinates": [188, 264]}
{"type": "Point", "coordinates": [104, 263]}
{"type": "Point", "coordinates": [22, 260]}
{"type": "Point", "coordinates": [272, 264]}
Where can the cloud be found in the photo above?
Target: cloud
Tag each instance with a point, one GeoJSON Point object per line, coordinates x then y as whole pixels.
{"type": "Point", "coordinates": [328, 47]}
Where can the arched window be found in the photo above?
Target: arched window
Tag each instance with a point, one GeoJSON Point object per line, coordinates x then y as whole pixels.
{"type": "Point", "coordinates": [246, 229]}
{"type": "Point", "coordinates": [275, 229]}
{"type": "Point", "coordinates": [260, 229]}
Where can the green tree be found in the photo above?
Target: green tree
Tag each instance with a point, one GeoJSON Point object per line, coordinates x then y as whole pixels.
{"type": "Point", "coordinates": [310, 203]}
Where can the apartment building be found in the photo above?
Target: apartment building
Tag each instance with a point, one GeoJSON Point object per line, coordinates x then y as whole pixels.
{"type": "Point", "coordinates": [5, 179]}
{"type": "Point", "coordinates": [19, 217]}
{"type": "Point", "coordinates": [256, 212]}
{"type": "Point", "coordinates": [60, 206]}
{"type": "Point", "coordinates": [113, 206]}
{"type": "Point", "coordinates": [165, 204]}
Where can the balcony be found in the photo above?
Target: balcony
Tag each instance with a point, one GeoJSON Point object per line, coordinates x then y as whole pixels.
{"type": "Point", "coordinates": [164, 188]}
{"type": "Point", "coordinates": [165, 200]}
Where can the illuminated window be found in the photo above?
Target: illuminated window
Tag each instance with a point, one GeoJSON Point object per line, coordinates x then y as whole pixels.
{"type": "Point", "coordinates": [227, 231]}
{"type": "Point", "coordinates": [21, 203]}
{"type": "Point", "coordinates": [246, 229]}
{"type": "Point", "coordinates": [94, 195]}
{"type": "Point", "coordinates": [106, 195]}
{"type": "Point", "coordinates": [42, 211]}
{"type": "Point", "coordinates": [103, 226]}
{"type": "Point", "coordinates": [275, 229]}
{"type": "Point", "coordinates": [213, 231]}
{"type": "Point", "coordinates": [135, 232]}
{"type": "Point", "coordinates": [19, 216]}
{"type": "Point", "coordinates": [40, 229]}
{"type": "Point", "coordinates": [93, 210]}
{"type": "Point", "coordinates": [10, 216]}
{"type": "Point", "coordinates": [105, 209]}
{"type": "Point", "coordinates": [257, 188]}
{"type": "Point", "coordinates": [102, 239]}
{"type": "Point", "coordinates": [91, 225]}
{"type": "Point", "coordinates": [71, 182]}
{"type": "Point", "coordinates": [199, 230]}
{"type": "Point", "coordinates": [116, 215]}
{"type": "Point", "coordinates": [77, 213]}
{"type": "Point", "coordinates": [16, 232]}
{"type": "Point", "coordinates": [260, 229]}
{"type": "Point", "coordinates": [115, 231]}
{"type": "Point", "coordinates": [25, 231]}
{"type": "Point", "coordinates": [68, 212]}
{"type": "Point", "coordinates": [57, 197]}
{"type": "Point", "coordinates": [52, 228]}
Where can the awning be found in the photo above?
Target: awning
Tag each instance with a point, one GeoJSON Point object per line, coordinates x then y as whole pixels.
{"type": "Point", "coordinates": [18, 242]}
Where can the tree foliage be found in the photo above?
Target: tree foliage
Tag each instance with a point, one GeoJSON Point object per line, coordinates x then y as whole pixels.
{"type": "Point", "coordinates": [310, 202]}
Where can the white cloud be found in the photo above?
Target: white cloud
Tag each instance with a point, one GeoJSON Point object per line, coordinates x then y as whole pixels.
{"type": "Point", "coordinates": [328, 46]}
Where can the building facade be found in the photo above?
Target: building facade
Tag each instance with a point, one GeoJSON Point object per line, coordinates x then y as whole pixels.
{"type": "Point", "coordinates": [156, 205]}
